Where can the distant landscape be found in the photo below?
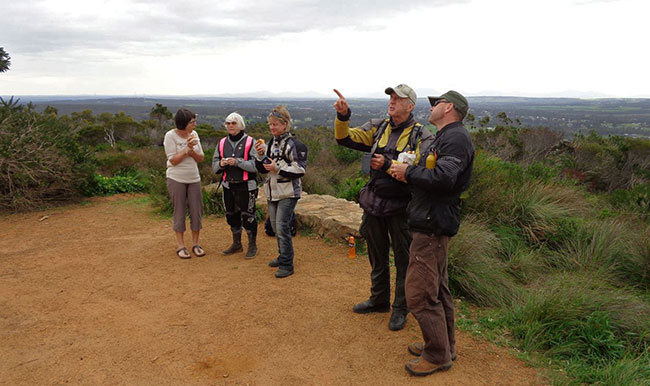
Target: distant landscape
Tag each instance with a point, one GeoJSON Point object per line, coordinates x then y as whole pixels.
{"type": "Point", "coordinates": [625, 117]}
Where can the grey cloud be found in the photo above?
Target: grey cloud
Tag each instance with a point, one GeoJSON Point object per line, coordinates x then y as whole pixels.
{"type": "Point", "coordinates": [153, 27]}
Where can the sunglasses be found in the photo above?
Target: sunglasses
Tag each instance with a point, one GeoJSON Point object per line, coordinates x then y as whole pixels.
{"type": "Point", "coordinates": [279, 116]}
{"type": "Point", "coordinates": [439, 101]}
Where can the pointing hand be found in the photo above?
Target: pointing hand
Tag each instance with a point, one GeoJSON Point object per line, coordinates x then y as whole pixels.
{"type": "Point", "coordinates": [341, 105]}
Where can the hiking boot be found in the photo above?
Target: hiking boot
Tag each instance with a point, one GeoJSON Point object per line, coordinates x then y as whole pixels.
{"type": "Point", "coordinates": [252, 245]}
{"type": "Point", "coordinates": [368, 307]}
{"type": "Point", "coordinates": [236, 244]}
{"type": "Point", "coordinates": [282, 272]}
{"type": "Point", "coordinates": [274, 263]}
{"type": "Point", "coordinates": [416, 349]}
{"type": "Point", "coordinates": [421, 367]}
{"type": "Point", "coordinates": [397, 321]}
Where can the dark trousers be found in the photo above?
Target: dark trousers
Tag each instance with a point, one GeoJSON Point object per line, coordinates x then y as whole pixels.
{"type": "Point", "coordinates": [240, 207]}
{"type": "Point", "coordinates": [429, 298]}
{"type": "Point", "coordinates": [380, 234]}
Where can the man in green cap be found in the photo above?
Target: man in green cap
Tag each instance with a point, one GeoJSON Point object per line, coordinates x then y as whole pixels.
{"type": "Point", "coordinates": [443, 172]}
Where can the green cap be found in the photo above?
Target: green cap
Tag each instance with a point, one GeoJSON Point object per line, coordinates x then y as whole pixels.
{"type": "Point", "coordinates": [459, 101]}
{"type": "Point", "coordinates": [402, 91]}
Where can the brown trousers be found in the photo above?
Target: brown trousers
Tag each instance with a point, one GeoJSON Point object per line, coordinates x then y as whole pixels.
{"type": "Point", "coordinates": [428, 296]}
{"type": "Point", "coordinates": [182, 196]}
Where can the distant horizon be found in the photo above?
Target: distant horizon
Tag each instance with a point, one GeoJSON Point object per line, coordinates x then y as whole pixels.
{"type": "Point", "coordinates": [290, 96]}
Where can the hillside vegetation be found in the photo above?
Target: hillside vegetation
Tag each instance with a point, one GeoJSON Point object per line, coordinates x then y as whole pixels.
{"type": "Point", "coordinates": [553, 253]}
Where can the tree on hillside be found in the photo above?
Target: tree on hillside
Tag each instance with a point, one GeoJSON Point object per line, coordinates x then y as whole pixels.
{"type": "Point", "coordinates": [161, 114]}
{"type": "Point", "coordinates": [5, 61]}
{"type": "Point", "coordinates": [483, 122]}
{"type": "Point", "coordinates": [503, 117]}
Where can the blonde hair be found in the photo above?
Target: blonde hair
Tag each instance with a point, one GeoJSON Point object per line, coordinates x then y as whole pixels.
{"type": "Point", "coordinates": [281, 113]}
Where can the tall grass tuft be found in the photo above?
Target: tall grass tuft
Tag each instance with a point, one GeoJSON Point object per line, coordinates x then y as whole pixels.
{"type": "Point", "coordinates": [474, 270]}
{"type": "Point", "coordinates": [578, 317]}
{"type": "Point", "coordinates": [520, 261]}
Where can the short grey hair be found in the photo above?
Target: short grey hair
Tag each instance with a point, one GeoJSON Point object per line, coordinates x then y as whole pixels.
{"type": "Point", "coordinates": [236, 118]}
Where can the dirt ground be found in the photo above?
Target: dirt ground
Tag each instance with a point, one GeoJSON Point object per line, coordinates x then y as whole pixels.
{"type": "Point", "coordinates": [94, 295]}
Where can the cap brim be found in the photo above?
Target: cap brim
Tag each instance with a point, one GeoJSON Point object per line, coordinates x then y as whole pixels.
{"type": "Point", "coordinates": [389, 91]}
{"type": "Point", "coordinates": [433, 100]}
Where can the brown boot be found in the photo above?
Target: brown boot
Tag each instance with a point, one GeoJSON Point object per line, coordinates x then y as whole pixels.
{"type": "Point", "coordinates": [416, 349]}
{"type": "Point", "coordinates": [421, 367]}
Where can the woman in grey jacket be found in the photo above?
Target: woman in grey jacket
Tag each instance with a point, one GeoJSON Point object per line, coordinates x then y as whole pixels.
{"type": "Point", "coordinates": [280, 163]}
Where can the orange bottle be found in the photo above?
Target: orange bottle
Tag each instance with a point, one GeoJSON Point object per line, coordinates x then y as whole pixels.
{"type": "Point", "coordinates": [352, 252]}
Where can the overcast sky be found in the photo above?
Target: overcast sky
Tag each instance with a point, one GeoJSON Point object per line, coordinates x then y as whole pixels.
{"type": "Point", "coordinates": [591, 48]}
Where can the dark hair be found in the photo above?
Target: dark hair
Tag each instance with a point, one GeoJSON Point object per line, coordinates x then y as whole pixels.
{"type": "Point", "coordinates": [183, 117]}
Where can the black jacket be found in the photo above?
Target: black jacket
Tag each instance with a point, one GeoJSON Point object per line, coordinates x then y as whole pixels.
{"type": "Point", "coordinates": [435, 203]}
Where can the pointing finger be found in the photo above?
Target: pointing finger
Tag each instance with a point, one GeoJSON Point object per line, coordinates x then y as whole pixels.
{"type": "Point", "coordinates": [339, 94]}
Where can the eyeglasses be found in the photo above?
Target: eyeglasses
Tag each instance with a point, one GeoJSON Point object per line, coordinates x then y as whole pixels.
{"type": "Point", "coordinates": [193, 121]}
{"type": "Point", "coordinates": [439, 101]}
{"type": "Point", "coordinates": [231, 123]}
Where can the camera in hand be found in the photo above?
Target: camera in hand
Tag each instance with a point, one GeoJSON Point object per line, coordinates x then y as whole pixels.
{"type": "Point", "coordinates": [266, 160]}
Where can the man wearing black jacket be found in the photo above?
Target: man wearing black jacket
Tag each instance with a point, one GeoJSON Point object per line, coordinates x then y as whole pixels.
{"type": "Point", "coordinates": [443, 172]}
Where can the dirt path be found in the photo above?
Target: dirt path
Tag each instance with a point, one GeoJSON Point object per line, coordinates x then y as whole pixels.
{"type": "Point", "coordinates": [94, 295]}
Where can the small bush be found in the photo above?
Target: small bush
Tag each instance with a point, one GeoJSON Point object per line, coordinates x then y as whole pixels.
{"type": "Point", "coordinates": [118, 184]}
{"type": "Point", "coordinates": [345, 155]}
{"type": "Point", "coordinates": [635, 200]}
{"type": "Point", "coordinates": [351, 187]}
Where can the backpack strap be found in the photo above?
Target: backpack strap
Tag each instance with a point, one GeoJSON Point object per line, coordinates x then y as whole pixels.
{"type": "Point", "coordinates": [378, 134]}
{"type": "Point", "coordinates": [416, 133]}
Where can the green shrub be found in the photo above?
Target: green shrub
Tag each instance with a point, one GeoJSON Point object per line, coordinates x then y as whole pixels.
{"type": "Point", "coordinates": [41, 160]}
{"type": "Point", "coordinates": [159, 194]}
{"type": "Point", "coordinates": [351, 187]}
{"type": "Point", "coordinates": [635, 200]}
{"type": "Point", "coordinates": [345, 155]}
{"type": "Point", "coordinates": [118, 184]}
{"type": "Point", "coordinates": [564, 230]}
{"type": "Point", "coordinates": [213, 202]}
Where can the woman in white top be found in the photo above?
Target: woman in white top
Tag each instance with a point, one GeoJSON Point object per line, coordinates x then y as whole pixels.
{"type": "Point", "coordinates": [183, 150]}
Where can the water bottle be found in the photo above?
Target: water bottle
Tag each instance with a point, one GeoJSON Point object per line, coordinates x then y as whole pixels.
{"type": "Point", "coordinates": [352, 251]}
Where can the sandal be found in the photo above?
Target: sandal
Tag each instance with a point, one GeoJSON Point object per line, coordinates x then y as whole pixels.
{"type": "Point", "coordinates": [198, 251]}
{"type": "Point", "coordinates": [183, 253]}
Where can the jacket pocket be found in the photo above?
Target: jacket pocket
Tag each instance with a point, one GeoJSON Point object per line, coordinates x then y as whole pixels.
{"type": "Point", "coordinates": [436, 218]}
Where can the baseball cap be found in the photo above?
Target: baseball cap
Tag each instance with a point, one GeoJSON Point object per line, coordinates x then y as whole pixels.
{"type": "Point", "coordinates": [454, 97]}
{"type": "Point", "coordinates": [403, 91]}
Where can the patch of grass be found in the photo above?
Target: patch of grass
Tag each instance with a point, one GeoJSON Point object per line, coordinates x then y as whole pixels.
{"type": "Point", "coordinates": [474, 270]}
{"type": "Point", "coordinates": [307, 231]}
{"type": "Point", "coordinates": [522, 262]}
{"type": "Point", "coordinates": [580, 322]}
